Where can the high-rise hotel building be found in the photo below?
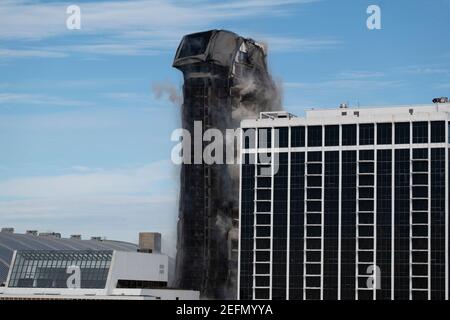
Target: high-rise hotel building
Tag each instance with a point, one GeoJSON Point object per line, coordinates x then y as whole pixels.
{"type": "Point", "coordinates": [345, 204]}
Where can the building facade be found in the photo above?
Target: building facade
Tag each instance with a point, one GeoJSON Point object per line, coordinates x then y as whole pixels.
{"type": "Point", "coordinates": [35, 267]}
{"type": "Point", "coordinates": [347, 204]}
{"type": "Point", "coordinates": [101, 275]}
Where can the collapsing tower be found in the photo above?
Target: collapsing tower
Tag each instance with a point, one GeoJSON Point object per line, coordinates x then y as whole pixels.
{"type": "Point", "coordinates": [225, 79]}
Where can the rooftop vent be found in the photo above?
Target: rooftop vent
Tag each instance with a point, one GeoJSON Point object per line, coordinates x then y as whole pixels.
{"type": "Point", "coordinates": [32, 232]}
{"type": "Point", "coordinates": [7, 230]}
{"type": "Point", "coordinates": [276, 115]}
{"type": "Point", "coordinates": [440, 100]}
{"type": "Point", "coordinates": [75, 236]}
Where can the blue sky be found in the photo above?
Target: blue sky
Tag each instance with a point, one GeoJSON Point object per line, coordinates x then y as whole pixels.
{"type": "Point", "coordinates": [85, 145]}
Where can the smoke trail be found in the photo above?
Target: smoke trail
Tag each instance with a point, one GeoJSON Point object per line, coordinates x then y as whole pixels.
{"type": "Point", "coordinates": [161, 89]}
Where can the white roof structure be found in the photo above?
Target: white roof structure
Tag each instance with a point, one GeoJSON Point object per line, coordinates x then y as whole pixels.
{"type": "Point", "coordinates": [89, 274]}
{"type": "Point", "coordinates": [343, 115]}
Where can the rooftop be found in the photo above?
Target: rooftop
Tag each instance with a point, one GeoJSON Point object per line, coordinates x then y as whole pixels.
{"type": "Point", "coordinates": [15, 241]}
{"type": "Point", "coordinates": [345, 114]}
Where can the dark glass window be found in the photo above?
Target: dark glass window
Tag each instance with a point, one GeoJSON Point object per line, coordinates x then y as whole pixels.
{"type": "Point", "coordinates": [262, 256]}
{"type": "Point", "coordinates": [194, 44]}
{"type": "Point", "coordinates": [282, 137]}
{"type": "Point", "coordinates": [383, 221]}
{"type": "Point", "coordinates": [384, 133]}
{"type": "Point", "coordinates": [437, 131]}
{"type": "Point", "coordinates": [402, 211]}
{"type": "Point", "coordinates": [349, 134]}
{"type": "Point", "coordinates": [438, 227]}
{"type": "Point", "coordinates": [314, 136]}
{"type": "Point", "coordinates": [314, 156]}
{"type": "Point", "coordinates": [262, 293]}
{"type": "Point", "coordinates": [262, 244]}
{"type": "Point", "coordinates": [420, 153]}
{"type": "Point", "coordinates": [297, 137]}
{"type": "Point", "coordinates": [263, 231]}
{"type": "Point", "coordinates": [262, 281]}
{"type": "Point", "coordinates": [49, 268]}
{"type": "Point", "coordinates": [263, 218]}
{"type": "Point", "coordinates": [420, 132]}
{"type": "Point", "coordinates": [366, 133]}
{"type": "Point", "coordinates": [263, 206]}
{"type": "Point", "coordinates": [262, 268]}
{"type": "Point", "coordinates": [366, 155]}
{"type": "Point", "coordinates": [402, 132]}
{"type": "Point", "coordinates": [331, 136]}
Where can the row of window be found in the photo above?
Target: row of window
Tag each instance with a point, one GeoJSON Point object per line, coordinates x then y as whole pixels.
{"type": "Point", "coordinates": [329, 135]}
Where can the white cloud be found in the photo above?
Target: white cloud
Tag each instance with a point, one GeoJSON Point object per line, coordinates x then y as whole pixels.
{"type": "Point", "coordinates": [24, 19]}
{"type": "Point", "coordinates": [89, 182]}
{"type": "Point", "coordinates": [137, 27]}
{"type": "Point", "coordinates": [38, 99]}
{"type": "Point", "coordinates": [360, 74]}
{"type": "Point", "coordinates": [299, 44]}
{"type": "Point", "coordinates": [343, 84]}
{"type": "Point", "coordinates": [27, 53]}
{"type": "Point", "coordinates": [423, 70]}
{"type": "Point", "coordinates": [354, 79]}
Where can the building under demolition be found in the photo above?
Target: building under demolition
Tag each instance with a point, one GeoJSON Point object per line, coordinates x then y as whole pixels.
{"type": "Point", "coordinates": [225, 79]}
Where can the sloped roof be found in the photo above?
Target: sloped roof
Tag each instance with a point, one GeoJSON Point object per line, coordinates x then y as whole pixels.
{"type": "Point", "coordinates": [16, 241]}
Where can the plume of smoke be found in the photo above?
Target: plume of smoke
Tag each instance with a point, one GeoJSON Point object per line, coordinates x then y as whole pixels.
{"type": "Point", "coordinates": [250, 97]}
{"type": "Point", "coordinates": [161, 89]}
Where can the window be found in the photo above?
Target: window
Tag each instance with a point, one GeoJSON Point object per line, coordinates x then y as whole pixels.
{"type": "Point", "coordinates": [366, 155]}
{"type": "Point", "coordinates": [262, 281]}
{"type": "Point", "coordinates": [262, 244]}
{"type": "Point", "coordinates": [194, 44]}
{"type": "Point", "coordinates": [262, 293]}
{"type": "Point", "coordinates": [366, 134]}
{"type": "Point", "coordinates": [331, 136]}
{"type": "Point", "coordinates": [263, 231]}
{"type": "Point", "coordinates": [402, 132]}
{"type": "Point", "coordinates": [420, 132]}
{"type": "Point", "coordinates": [48, 269]}
{"type": "Point", "coordinates": [262, 268]}
{"type": "Point", "coordinates": [263, 219]}
{"type": "Point", "coordinates": [384, 133]}
{"type": "Point", "coordinates": [282, 137]}
{"type": "Point", "coordinates": [262, 256]}
{"type": "Point", "coordinates": [437, 131]}
{"type": "Point", "coordinates": [137, 284]}
{"type": "Point", "coordinates": [297, 137]}
{"type": "Point", "coordinates": [314, 136]}
{"type": "Point", "coordinates": [349, 135]}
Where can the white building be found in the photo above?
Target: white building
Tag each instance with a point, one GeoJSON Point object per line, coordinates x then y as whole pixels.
{"type": "Point", "coordinates": [346, 203]}
{"type": "Point", "coordinates": [89, 270]}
